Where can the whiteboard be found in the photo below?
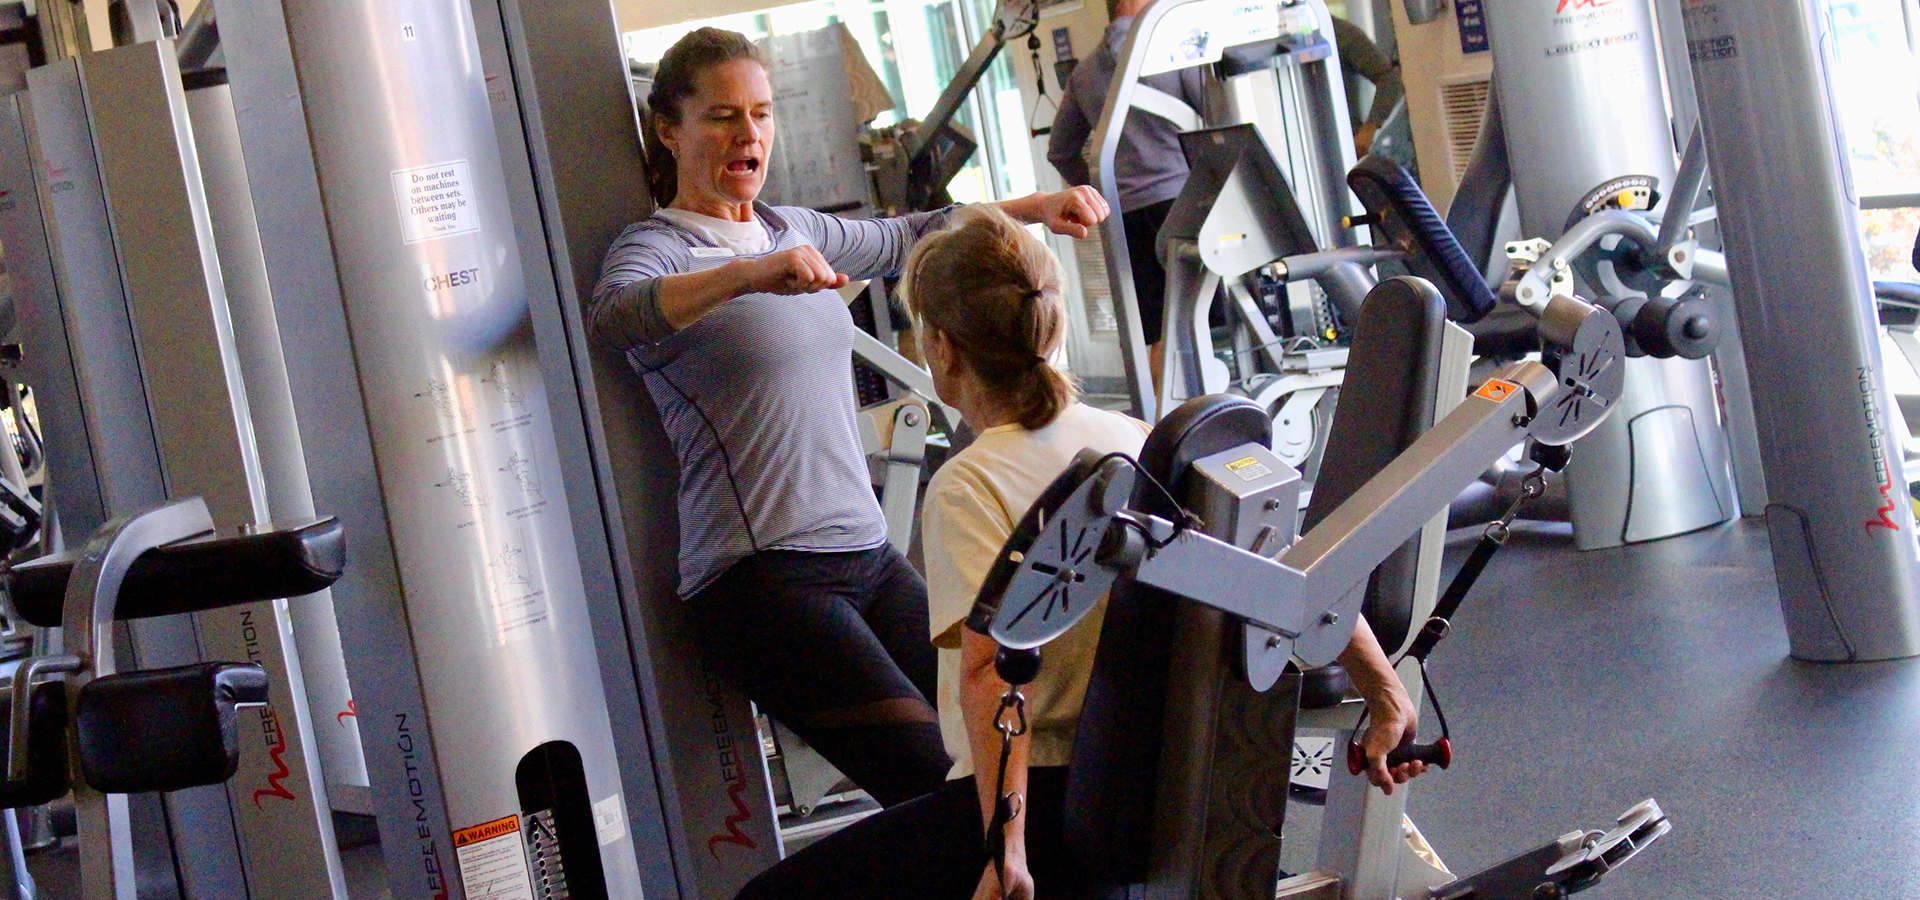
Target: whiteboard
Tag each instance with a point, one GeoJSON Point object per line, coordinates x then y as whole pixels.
{"type": "Point", "coordinates": [816, 150]}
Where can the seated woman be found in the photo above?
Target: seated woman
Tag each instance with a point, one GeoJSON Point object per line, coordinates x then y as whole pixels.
{"type": "Point", "coordinates": [986, 296]}
{"type": "Point", "coordinates": [728, 309]}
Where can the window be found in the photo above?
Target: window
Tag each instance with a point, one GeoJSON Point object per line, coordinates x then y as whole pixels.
{"type": "Point", "coordinates": [1874, 49]}
{"type": "Point", "coordinates": [900, 38]}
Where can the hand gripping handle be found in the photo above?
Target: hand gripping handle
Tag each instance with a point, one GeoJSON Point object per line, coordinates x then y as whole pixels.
{"type": "Point", "coordinates": [1439, 753]}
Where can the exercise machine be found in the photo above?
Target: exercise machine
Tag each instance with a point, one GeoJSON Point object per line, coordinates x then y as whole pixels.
{"type": "Point", "coordinates": [1275, 69]}
{"type": "Point", "coordinates": [1111, 522]}
{"type": "Point", "coordinates": [77, 723]}
{"type": "Point", "coordinates": [130, 340]}
{"type": "Point", "coordinates": [1540, 116]}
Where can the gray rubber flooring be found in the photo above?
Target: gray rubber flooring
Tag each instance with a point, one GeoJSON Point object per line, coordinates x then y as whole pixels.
{"type": "Point", "coordinates": [1580, 683]}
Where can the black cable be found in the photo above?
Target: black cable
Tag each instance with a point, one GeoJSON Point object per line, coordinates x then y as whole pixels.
{"type": "Point", "coordinates": [1183, 519]}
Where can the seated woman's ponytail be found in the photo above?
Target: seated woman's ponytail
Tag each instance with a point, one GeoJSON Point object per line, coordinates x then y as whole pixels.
{"type": "Point", "coordinates": [993, 290]}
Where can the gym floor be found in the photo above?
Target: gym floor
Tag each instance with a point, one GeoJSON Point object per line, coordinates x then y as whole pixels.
{"type": "Point", "coordinates": [1578, 684]}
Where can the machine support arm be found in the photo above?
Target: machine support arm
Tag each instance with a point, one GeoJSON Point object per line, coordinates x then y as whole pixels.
{"type": "Point", "coordinates": [1082, 534]}
{"type": "Point", "coordinates": [1311, 582]}
{"type": "Point", "coordinates": [1362, 532]}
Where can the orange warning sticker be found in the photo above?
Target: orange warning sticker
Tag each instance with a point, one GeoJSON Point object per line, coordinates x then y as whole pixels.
{"type": "Point", "coordinates": [493, 860]}
{"type": "Point", "coordinates": [1497, 390]}
{"type": "Point", "coordinates": [486, 831]}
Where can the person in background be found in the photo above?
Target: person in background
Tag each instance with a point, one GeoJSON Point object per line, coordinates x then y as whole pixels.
{"type": "Point", "coordinates": [1361, 58]}
{"type": "Point", "coordinates": [986, 295]}
{"type": "Point", "coordinates": [729, 310]}
{"type": "Point", "coordinates": [1149, 165]}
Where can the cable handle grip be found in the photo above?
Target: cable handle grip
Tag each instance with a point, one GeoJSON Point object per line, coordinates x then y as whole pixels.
{"type": "Point", "coordinates": [1439, 753]}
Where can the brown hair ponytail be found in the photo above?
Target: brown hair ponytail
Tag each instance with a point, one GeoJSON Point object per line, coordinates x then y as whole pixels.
{"type": "Point", "coordinates": [993, 290]}
{"type": "Point", "coordinates": [673, 83]}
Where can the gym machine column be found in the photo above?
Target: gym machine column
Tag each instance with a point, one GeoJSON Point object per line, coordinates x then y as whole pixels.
{"type": "Point", "coordinates": [1580, 96]}
{"type": "Point", "coordinates": [696, 795]}
{"type": "Point", "coordinates": [1842, 531]}
{"type": "Point", "coordinates": [438, 315]}
{"type": "Point", "coordinates": [397, 738]}
{"type": "Point", "coordinates": [276, 429]}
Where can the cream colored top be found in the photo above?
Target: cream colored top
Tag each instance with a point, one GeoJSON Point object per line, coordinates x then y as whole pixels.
{"type": "Point", "coordinates": [972, 505]}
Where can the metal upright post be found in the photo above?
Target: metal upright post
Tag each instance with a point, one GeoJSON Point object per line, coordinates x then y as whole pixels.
{"type": "Point", "coordinates": [1839, 518]}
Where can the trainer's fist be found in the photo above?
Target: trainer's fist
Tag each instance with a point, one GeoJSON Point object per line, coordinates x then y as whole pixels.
{"type": "Point", "coordinates": [801, 270]}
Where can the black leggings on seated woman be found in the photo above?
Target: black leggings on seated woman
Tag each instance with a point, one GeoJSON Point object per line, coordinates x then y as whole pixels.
{"type": "Point", "coordinates": [835, 647]}
{"type": "Point", "coordinates": [931, 848]}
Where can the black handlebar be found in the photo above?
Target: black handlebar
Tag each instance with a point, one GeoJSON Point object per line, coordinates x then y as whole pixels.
{"type": "Point", "coordinates": [1439, 753]}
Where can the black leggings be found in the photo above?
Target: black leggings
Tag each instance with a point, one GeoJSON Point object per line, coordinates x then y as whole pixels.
{"type": "Point", "coordinates": [930, 848]}
{"type": "Point", "coordinates": [1149, 277]}
{"type": "Point", "coordinates": [835, 646]}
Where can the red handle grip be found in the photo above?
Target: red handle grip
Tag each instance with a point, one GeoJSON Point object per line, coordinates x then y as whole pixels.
{"type": "Point", "coordinates": [1439, 753]}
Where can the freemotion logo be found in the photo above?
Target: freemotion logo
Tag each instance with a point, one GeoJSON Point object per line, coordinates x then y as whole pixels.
{"type": "Point", "coordinates": [1583, 4]}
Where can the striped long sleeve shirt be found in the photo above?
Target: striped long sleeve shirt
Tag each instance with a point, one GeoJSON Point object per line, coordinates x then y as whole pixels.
{"type": "Point", "coordinates": [757, 395]}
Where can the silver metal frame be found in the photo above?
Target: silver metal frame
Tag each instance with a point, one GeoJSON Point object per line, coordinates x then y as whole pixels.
{"type": "Point", "coordinates": [93, 590]}
{"type": "Point", "coordinates": [1581, 99]}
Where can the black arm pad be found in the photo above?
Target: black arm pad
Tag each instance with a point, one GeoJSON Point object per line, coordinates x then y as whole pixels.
{"type": "Point", "coordinates": [192, 576]}
{"type": "Point", "coordinates": [168, 729]}
{"type": "Point", "coordinates": [1407, 220]}
{"type": "Point", "coordinates": [46, 779]}
{"type": "Point", "coordinates": [1899, 302]}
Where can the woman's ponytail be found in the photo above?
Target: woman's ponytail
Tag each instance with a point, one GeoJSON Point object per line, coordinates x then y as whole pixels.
{"type": "Point", "coordinates": [993, 290]}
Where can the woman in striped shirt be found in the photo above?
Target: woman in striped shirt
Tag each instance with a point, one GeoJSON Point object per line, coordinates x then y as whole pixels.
{"type": "Point", "coordinates": [729, 310]}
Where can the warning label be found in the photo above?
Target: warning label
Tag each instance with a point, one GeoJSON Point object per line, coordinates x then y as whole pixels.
{"type": "Point", "coordinates": [493, 863]}
{"type": "Point", "coordinates": [1249, 469]}
{"type": "Point", "coordinates": [435, 201]}
{"type": "Point", "coordinates": [1496, 390]}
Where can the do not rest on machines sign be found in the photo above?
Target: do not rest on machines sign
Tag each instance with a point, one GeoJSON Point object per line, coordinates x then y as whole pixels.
{"type": "Point", "coordinates": [435, 201]}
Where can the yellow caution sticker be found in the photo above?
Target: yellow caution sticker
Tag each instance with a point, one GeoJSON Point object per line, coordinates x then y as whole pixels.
{"type": "Point", "coordinates": [1249, 468]}
{"type": "Point", "coordinates": [1497, 390]}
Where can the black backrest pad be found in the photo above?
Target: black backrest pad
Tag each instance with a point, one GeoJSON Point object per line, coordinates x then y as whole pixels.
{"type": "Point", "coordinates": [218, 571]}
{"type": "Point", "coordinates": [166, 729]}
{"type": "Point", "coordinates": [1116, 751]}
{"type": "Point", "coordinates": [1408, 221]}
{"type": "Point", "coordinates": [1386, 402]}
{"type": "Point", "coordinates": [46, 779]}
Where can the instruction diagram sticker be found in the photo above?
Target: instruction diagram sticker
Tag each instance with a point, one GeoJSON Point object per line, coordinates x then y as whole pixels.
{"type": "Point", "coordinates": [1496, 390]}
{"type": "Point", "coordinates": [435, 201]}
{"type": "Point", "coordinates": [493, 864]}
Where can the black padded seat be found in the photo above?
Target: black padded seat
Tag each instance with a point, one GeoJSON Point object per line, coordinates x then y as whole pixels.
{"type": "Point", "coordinates": [1408, 221]}
{"type": "Point", "coordinates": [165, 729]}
{"type": "Point", "coordinates": [1394, 366]}
{"type": "Point", "coordinates": [217, 571]}
{"type": "Point", "coordinates": [1116, 752]}
{"type": "Point", "coordinates": [46, 779]}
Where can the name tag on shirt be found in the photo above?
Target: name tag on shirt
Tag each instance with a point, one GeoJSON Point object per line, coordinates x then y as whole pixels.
{"type": "Point", "coordinates": [709, 252]}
